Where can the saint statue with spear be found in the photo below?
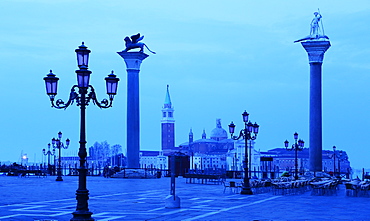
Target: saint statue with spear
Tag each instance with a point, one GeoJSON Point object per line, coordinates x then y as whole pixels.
{"type": "Point", "coordinates": [315, 29]}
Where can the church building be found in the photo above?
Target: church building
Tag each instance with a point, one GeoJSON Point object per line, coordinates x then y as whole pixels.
{"type": "Point", "coordinates": [217, 143]}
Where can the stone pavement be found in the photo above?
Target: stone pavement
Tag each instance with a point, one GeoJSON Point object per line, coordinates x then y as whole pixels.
{"type": "Point", "coordinates": [44, 199]}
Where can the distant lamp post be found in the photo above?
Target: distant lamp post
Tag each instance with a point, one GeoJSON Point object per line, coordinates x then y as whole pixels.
{"type": "Point", "coordinates": [48, 153]}
{"type": "Point", "coordinates": [246, 134]}
{"type": "Point", "coordinates": [234, 158]}
{"type": "Point", "coordinates": [250, 158]}
{"type": "Point", "coordinates": [83, 96]}
{"type": "Point", "coordinates": [58, 144]}
{"type": "Point", "coordinates": [340, 158]}
{"type": "Point", "coordinates": [337, 157]}
{"type": "Point", "coordinates": [24, 160]}
{"type": "Point", "coordinates": [297, 146]}
{"type": "Point", "coordinates": [335, 169]}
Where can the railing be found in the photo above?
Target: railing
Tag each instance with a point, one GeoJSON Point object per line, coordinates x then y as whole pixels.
{"type": "Point", "coordinates": [357, 188]}
{"type": "Point", "coordinates": [204, 178]}
{"type": "Point", "coordinates": [327, 187]}
{"type": "Point", "coordinates": [286, 187]}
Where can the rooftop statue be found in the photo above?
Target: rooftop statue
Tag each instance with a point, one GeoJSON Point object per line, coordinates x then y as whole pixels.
{"type": "Point", "coordinates": [133, 42]}
{"type": "Point", "coordinates": [316, 31]}
{"type": "Point", "coordinates": [218, 123]}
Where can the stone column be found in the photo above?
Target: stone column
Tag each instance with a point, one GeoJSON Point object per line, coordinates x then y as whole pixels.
{"type": "Point", "coordinates": [315, 50]}
{"type": "Point", "coordinates": [133, 61]}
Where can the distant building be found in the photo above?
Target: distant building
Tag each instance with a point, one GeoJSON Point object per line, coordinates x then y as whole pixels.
{"type": "Point", "coordinates": [284, 160]}
{"type": "Point", "coordinates": [92, 161]}
{"type": "Point", "coordinates": [208, 161]}
{"type": "Point", "coordinates": [153, 159]}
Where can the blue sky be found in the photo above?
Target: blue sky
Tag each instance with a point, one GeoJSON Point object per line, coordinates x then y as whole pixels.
{"type": "Point", "coordinates": [219, 58]}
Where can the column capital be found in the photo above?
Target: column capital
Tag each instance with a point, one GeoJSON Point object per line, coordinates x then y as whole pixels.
{"type": "Point", "coordinates": [133, 59]}
{"type": "Point", "coordinates": [316, 50]}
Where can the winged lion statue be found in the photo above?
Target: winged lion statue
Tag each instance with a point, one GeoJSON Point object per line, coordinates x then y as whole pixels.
{"type": "Point", "coordinates": [133, 42]}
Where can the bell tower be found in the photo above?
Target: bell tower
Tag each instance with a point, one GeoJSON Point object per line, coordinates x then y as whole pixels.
{"type": "Point", "coordinates": [191, 136]}
{"type": "Point", "coordinates": [168, 124]}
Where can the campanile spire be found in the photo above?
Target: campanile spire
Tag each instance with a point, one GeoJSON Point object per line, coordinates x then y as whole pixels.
{"type": "Point", "coordinates": [168, 123]}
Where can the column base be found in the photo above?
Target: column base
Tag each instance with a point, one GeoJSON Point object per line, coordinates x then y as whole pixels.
{"type": "Point", "coordinates": [172, 202]}
{"type": "Point", "coordinates": [82, 216]}
{"type": "Point", "coordinates": [246, 191]}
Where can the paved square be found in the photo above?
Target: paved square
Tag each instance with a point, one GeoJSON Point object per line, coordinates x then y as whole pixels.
{"type": "Point", "coordinates": [143, 199]}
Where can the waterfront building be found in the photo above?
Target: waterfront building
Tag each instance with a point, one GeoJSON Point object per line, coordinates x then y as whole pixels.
{"type": "Point", "coordinates": [284, 160]}
{"type": "Point", "coordinates": [153, 159]}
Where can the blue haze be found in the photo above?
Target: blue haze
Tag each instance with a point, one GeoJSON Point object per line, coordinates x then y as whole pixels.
{"type": "Point", "coordinates": [219, 61]}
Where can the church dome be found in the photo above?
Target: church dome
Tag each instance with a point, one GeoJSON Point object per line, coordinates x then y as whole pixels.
{"type": "Point", "coordinates": [218, 133]}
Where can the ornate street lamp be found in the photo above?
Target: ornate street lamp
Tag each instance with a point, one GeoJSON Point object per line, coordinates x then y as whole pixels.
{"type": "Point", "coordinates": [48, 153]}
{"type": "Point", "coordinates": [83, 96]}
{"type": "Point", "coordinates": [246, 134]}
{"type": "Point", "coordinates": [297, 146]}
{"type": "Point", "coordinates": [58, 144]}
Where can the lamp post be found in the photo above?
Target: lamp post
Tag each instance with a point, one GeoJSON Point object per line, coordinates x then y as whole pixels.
{"type": "Point", "coordinates": [246, 134]}
{"type": "Point", "coordinates": [192, 159]}
{"type": "Point", "coordinates": [83, 96]}
{"type": "Point", "coordinates": [48, 153]}
{"type": "Point", "coordinates": [339, 159]}
{"type": "Point", "coordinates": [297, 146]}
{"type": "Point", "coordinates": [250, 159]}
{"type": "Point", "coordinates": [334, 148]}
{"type": "Point", "coordinates": [58, 144]}
{"type": "Point", "coordinates": [234, 162]}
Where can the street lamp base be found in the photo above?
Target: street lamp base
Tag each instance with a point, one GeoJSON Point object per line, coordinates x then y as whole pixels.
{"type": "Point", "coordinates": [246, 191]}
{"type": "Point", "coordinates": [59, 179]}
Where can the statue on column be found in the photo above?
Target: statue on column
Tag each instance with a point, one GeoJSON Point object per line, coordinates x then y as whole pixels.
{"type": "Point", "coordinates": [315, 29]}
{"type": "Point", "coordinates": [315, 25]}
{"type": "Point", "coordinates": [133, 42]}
